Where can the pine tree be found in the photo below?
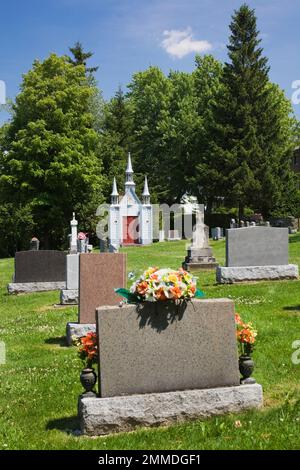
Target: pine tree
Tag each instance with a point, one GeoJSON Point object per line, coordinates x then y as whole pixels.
{"type": "Point", "coordinates": [249, 155]}
{"type": "Point", "coordinates": [80, 57]}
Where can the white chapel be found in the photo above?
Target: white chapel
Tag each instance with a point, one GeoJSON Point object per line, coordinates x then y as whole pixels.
{"type": "Point", "coordinates": [130, 220]}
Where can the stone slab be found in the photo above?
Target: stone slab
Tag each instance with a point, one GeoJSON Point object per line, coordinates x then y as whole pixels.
{"type": "Point", "coordinates": [69, 297]}
{"type": "Point", "coordinates": [72, 271]}
{"type": "Point", "coordinates": [77, 330]}
{"type": "Point", "coordinates": [257, 246]}
{"type": "Point", "coordinates": [40, 266]}
{"type": "Point", "coordinates": [27, 287]}
{"type": "Point", "coordinates": [100, 416]}
{"type": "Point", "coordinates": [155, 347]}
{"type": "Point", "coordinates": [99, 275]}
{"type": "Point", "coordinates": [230, 275]}
{"type": "Point", "coordinates": [198, 266]}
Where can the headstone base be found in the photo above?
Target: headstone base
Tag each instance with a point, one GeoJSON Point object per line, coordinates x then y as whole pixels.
{"type": "Point", "coordinates": [100, 416]}
{"type": "Point", "coordinates": [199, 258]}
{"type": "Point", "coordinates": [77, 330]}
{"type": "Point", "coordinates": [69, 297]}
{"type": "Point", "coordinates": [197, 266]}
{"type": "Point", "coordinates": [230, 275]}
{"type": "Point", "coordinates": [27, 287]}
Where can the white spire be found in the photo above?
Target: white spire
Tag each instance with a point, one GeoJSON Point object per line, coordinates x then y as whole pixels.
{"type": "Point", "coordinates": [146, 189]}
{"type": "Point", "coordinates": [129, 185]}
{"type": "Point", "coordinates": [114, 189]}
{"type": "Point", "coordinates": [129, 165]}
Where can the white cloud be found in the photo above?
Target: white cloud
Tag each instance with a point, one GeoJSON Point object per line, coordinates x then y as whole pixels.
{"type": "Point", "coordinates": [180, 43]}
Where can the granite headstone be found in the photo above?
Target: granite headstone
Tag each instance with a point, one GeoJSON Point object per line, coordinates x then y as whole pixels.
{"type": "Point", "coordinates": [40, 266]}
{"type": "Point", "coordinates": [162, 347]}
{"type": "Point", "coordinates": [99, 275]}
{"type": "Point", "coordinates": [257, 246]}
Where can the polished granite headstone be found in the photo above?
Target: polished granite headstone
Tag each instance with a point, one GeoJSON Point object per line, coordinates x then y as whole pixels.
{"type": "Point", "coordinates": [40, 266]}
{"type": "Point", "coordinates": [99, 275]}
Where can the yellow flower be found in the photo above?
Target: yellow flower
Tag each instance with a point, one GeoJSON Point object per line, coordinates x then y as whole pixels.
{"type": "Point", "coordinates": [173, 278]}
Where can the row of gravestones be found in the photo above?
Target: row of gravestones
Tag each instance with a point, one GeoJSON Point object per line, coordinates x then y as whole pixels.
{"type": "Point", "coordinates": [159, 366]}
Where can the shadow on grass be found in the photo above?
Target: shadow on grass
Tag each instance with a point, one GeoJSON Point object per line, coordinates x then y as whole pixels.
{"type": "Point", "coordinates": [69, 425]}
{"type": "Point", "coordinates": [58, 340]}
{"type": "Point", "coordinates": [292, 308]}
{"type": "Point", "coordinates": [295, 239]}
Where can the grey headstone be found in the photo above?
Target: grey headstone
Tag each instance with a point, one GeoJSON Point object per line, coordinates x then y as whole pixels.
{"type": "Point", "coordinates": [256, 246]}
{"type": "Point", "coordinates": [72, 267]}
{"type": "Point", "coordinates": [40, 266]}
{"type": "Point", "coordinates": [216, 233]}
{"type": "Point", "coordinates": [163, 347]}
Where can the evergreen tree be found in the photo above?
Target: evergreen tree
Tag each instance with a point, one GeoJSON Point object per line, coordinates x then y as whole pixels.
{"type": "Point", "coordinates": [49, 165]}
{"type": "Point", "coordinates": [80, 57]}
{"type": "Point", "coordinates": [249, 155]}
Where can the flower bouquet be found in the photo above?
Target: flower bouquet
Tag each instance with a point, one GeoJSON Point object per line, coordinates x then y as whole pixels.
{"type": "Point", "coordinates": [161, 285]}
{"type": "Point", "coordinates": [246, 337]}
{"type": "Point", "coordinates": [88, 353]}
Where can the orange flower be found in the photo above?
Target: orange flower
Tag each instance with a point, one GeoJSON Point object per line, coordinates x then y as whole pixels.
{"type": "Point", "coordinates": [176, 291]}
{"type": "Point", "coordinates": [142, 288]}
{"type": "Point", "coordinates": [193, 289]}
{"type": "Point", "coordinates": [160, 294]}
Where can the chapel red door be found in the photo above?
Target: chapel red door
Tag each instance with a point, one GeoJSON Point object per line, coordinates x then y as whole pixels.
{"type": "Point", "coordinates": [130, 230]}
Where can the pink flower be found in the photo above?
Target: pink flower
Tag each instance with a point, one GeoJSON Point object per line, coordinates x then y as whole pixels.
{"type": "Point", "coordinates": [81, 236]}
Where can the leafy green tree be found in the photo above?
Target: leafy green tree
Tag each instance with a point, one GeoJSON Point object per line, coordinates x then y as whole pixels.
{"type": "Point", "coordinates": [80, 57]}
{"type": "Point", "coordinates": [116, 138]}
{"type": "Point", "coordinates": [249, 150]}
{"type": "Point", "coordinates": [180, 128]}
{"type": "Point", "coordinates": [149, 97]}
{"type": "Point", "coordinates": [49, 157]}
{"type": "Point", "coordinates": [207, 88]}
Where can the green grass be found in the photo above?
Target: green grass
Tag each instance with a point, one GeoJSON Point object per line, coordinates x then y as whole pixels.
{"type": "Point", "coordinates": [39, 384]}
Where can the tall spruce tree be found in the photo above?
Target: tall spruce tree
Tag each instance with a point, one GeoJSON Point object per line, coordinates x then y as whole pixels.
{"type": "Point", "coordinates": [250, 155]}
{"type": "Point", "coordinates": [80, 57]}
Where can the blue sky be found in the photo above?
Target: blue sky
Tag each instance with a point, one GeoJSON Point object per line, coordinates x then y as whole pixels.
{"type": "Point", "coordinates": [129, 35]}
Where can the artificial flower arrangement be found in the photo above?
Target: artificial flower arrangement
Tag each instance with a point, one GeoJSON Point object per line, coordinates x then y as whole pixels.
{"type": "Point", "coordinates": [246, 336]}
{"type": "Point", "coordinates": [161, 285]}
{"type": "Point", "coordinates": [87, 348]}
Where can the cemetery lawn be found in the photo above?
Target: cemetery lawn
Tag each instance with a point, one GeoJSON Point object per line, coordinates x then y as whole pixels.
{"type": "Point", "coordinates": [39, 384]}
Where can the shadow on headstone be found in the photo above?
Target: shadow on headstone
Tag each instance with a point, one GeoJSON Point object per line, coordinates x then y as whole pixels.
{"type": "Point", "coordinates": [160, 315]}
